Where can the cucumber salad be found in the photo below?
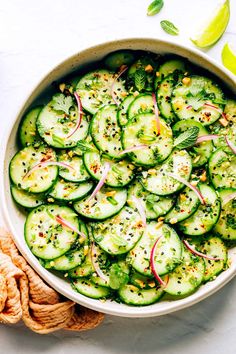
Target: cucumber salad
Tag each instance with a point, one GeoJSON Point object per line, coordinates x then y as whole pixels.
{"type": "Point", "coordinates": [128, 176]}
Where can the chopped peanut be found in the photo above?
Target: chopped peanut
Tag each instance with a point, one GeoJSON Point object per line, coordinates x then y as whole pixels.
{"type": "Point", "coordinates": [148, 68]}
{"type": "Point", "coordinates": [157, 74]}
{"type": "Point", "coordinates": [136, 93]}
{"type": "Point", "coordinates": [110, 194]}
{"type": "Point", "coordinates": [173, 221]}
{"type": "Point", "coordinates": [62, 87]}
{"type": "Point", "coordinates": [223, 122]}
{"type": "Point", "coordinates": [203, 177]}
{"type": "Point", "coordinates": [123, 94]}
{"type": "Point", "coordinates": [159, 224]}
{"type": "Point", "coordinates": [151, 284]}
{"type": "Point", "coordinates": [186, 80]}
{"type": "Point", "coordinates": [152, 171]}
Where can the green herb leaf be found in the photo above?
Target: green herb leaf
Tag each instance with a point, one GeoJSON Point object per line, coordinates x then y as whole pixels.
{"type": "Point", "coordinates": [140, 77]}
{"type": "Point", "coordinates": [85, 147]}
{"type": "Point", "coordinates": [118, 276]}
{"type": "Point", "coordinates": [155, 7]}
{"type": "Point", "coordinates": [169, 27]}
{"type": "Point", "coordinates": [187, 138]}
{"type": "Point", "coordinates": [62, 103]}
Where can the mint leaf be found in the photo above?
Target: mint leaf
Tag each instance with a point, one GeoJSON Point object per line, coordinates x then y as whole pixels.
{"type": "Point", "coordinates": [169, 27]}
{"type": "Point", "coordinates": [187, 138]}
{"type": "Point", "coordinates": [62, 103]}
{"type": "Point", "coordinates": [155, 7]}
{"type": "Point", "coordinates": [140, 77]}
{"type": "Point", "coordinates": [118, 276]}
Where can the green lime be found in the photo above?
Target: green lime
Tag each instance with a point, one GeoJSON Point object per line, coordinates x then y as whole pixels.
{"type": "Point", "coordinates": [229, 58]}
{"type": "Point", "coordinates": [214, 28]}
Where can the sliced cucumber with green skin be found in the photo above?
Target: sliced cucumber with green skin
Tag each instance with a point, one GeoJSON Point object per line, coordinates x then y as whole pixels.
{"type": "Point", "coordinates": [107, 202]}
{"type": "Point", "coordinates": [168, 251]}
{"type": "Point", "coordinates": [88, 288]}
{"type": "Point", "coordinates": [115, 60]}
{"type": "Point", "coordinates": [141, 281]}
{"type": "Point", "coordinates": [153, 204]}
{"type": "Point", "coordinates": [186, 204]}
{"type": "Point", "coordinates": [206, 216]}
{"type": "Point", "coordinates": [25, 199]}
{"type": "Point", "coordinates": [70, 191]}
{"type": "Point", "coordinates": [169, 67]}
{"type": "Point", "coordinates": [119, 234]}
{"type": "Point", "coordinates": [186, 277]}
{"type": "Point", "coordinates": [164, 93]}
{"type": "Point", "coordinates": [120, 174]}
{"type": "Point", "coordinates": [143, 103]}
{"type": "Point", "coordinates": [226, 127]}
{"type": "Point", "coordinates": [46, 238]}
{"type": "Point", "coordinates": [78, 173]}
{"type": "Point", "coordinates": [55, 126]}
{"type": "Point", "coordinates": [142, 130]}
{"type": "Point", "coordinates": [122, 110]}
{"type": "Point", "coordinates": [40, 180]}
{"type": "Point", "coordinates": [94, 89]}
{"type": "Point", "coordinates": [226, 225]}
{"type": "Point", "coordinates": [132, 295]}
{"type": "Point", "coordinates": [188, 100]}
{"type": "Point", "coordinates": [222, 169]}
{"type": "Point", "coordinates": [106, 132]}
{"type": "Point", "coordinates": [101, 258]}
{"type": "Point", "coordinates": [157, 181]}
{"type": "Point", "coordinates": [83, 270]}
{"type": "Point", "coordinates": [200, 153]}
{"type": "Point", "coordinates": [27, 130]}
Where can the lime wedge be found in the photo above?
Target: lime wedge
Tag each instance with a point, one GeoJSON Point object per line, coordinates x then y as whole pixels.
{"type": "Point", "coordinates": [229, 58]}
{"type": "Point", "coordinates": [214, 28]}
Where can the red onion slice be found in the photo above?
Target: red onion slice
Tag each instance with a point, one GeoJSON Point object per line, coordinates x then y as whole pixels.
{"type": "Point", "coordinates": [230, 145]}
{"type": "Point", "coordinates": [186, 183]}
{"type": "Point", "coordinates": [48, 163]}
{"type": "Point", "coordinates": [200, 254]}
{"type": "Point", "coordinates": [95, 264]}
{"type": "Point", "coordinates": [70, 226]}
{"type": "Point", "coordinates": [102, 181]}
{"type": "Point", "coordinates": [141, 210]}
{"type": "Point", "coordinates": [189, 106]}
{"type": "Point", "coordinates": [206, 138]}
{"type": "Point", "coordinates": [152, 263]}
{"type": "Point", "coordinates": [213, 107]}
{"type": "Point", "coordinates": [156, 111]}
{"type": "Point", "coordinates": [133, 148]}
{"type": "Point", "coordinates": [228, 198]}
{"type": "Point", "coordinates": [80, 114]}
{"type": "Point", "coordinates": [113, 95]}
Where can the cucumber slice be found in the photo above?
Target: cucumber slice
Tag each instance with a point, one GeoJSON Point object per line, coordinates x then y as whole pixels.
{"type": "Point", "coordinates": [122, 110]}
{"type": "Point", "coordinates": [94, 89]}
{"type": "Point", "coordinates": [27, 130]}
{"type": "Point", "coordinates": [168, 251]}
{"type": "Point", "coordinates": [222, 169]}
{"type": "Point", "coordinates": [226, 126]}
{"type": "Point", "coordinates": [206, 216]}
{"type": "Point", "coordinates": [188, 100]}
{"type": "Point", "coordinates": [226, 225]}
{"type": "Point", "coordinates": [169, 67]}
{"type": "Point", "coordinates": [79, 172]}
{"type": "Point", "coordinates": [119, 234]}
{"type": "Point", "coordinates": [25, 199]}
{"type": "Point", "coordinates": [70, 191]}
{"type": "Point", "coordinates": [101, 258]}
{"type": "Point", "coordinates": [187, 276]}
{"type": "Point", "coordinates": [164, 93]}
{"type": "Point", "coordinates": [46, 238]}
{"type": "Point", "coordinates": [157, 181]}
{"type": "Point", "coordinates": [115, 60]}
{"type": "Point", "coordinates": [106, 203]}
{"type": "Point", "coordinates": [119, 175]}
{"type": "Point", "coordinates": [142, 129]}
{"type": "Point", "coordinates": [88, 288]}
{"type": "Point", "coordinates": [55, 125]}
{"type": "Point", "coordinates": [143, 103]}
{"type": "Point", "coordinates": [106, 132]}
{"type": "Point", "coordinates": [132, 295]}
{"type": "Point", "coordinates": [186, 204]}
{"type": "Point", "coordinates": [39, 180]}
{"type": "Point", "coordinates": [153, 204]}
{"type": "Point", "coordinates": [85, 269]}
{"type": "Point", "coordinates": [200, 153]}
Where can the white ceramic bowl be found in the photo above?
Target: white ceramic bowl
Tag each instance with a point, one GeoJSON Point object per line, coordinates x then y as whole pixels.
{"type": "Point", "coordinates": [15, 219]}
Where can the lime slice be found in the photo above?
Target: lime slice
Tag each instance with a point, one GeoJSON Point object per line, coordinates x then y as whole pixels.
{"type": "Point", "coordinates": [214, 28]}
{"type": "Point", "coordinates": [229, 58]}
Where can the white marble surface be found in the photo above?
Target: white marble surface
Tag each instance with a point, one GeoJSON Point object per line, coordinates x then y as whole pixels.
{"type": "Point", "coordinates": [34, 37]}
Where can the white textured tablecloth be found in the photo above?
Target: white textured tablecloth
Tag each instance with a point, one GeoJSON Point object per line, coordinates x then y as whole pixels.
{"type": "Point", "coordinates": [34, 37]}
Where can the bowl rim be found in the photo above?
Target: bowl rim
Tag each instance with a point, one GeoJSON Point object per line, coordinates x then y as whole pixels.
{"type": "Point", "coordinates": [124, 311]}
